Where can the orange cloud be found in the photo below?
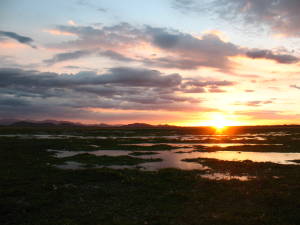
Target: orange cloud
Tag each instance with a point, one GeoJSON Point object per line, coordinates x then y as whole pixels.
{"type": "Point", "coordinates": [72, 22]}
{"type": "Point", "coordinates": [11, 45]}
{"type": "Point", "coordinates": [59, 32]}
{"type": "Point", "coordinates": [219, 34]}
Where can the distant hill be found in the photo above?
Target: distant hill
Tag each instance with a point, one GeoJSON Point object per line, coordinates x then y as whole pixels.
{"type": "Point", "coordinates": [103, 125]}
{"type": "Point", "coordinates": [146, 126]}
{"type": "Point", "coordinates": [43, 123]}
{"type": "Point", "coordinates": [49, 123]}
{"type": "Point", "coordinates": [8, 121]}
{"type": "Point", "coordinates": [29, 124]}
{"type": "Point", "coordinates": [137, 125]}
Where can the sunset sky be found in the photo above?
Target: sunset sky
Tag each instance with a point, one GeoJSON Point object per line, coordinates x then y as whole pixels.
{"type": "Point", "coordinates": [180, 62]}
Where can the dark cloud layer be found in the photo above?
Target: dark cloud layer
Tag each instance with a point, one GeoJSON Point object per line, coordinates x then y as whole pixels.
{"type": "Point", "coordinates": [51, 94]}
{"type": "Point", "coordinates": [67, 56]}
{"type": "Point", "coordinates": [267, 54]}
{"type": "Point", "coordinates": [17, 37]}
{"type": "Point", "coordinates": [116, 56]}
{"type": "Point", "coordinates": [295, 86]}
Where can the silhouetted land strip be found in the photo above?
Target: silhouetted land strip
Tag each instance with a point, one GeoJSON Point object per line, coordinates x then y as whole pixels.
{"type": "Point", "coordinates": [35, 192]}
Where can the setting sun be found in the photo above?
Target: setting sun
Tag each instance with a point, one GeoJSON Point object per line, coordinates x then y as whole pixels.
{"type": "Point", "coordinates": [220, 121]}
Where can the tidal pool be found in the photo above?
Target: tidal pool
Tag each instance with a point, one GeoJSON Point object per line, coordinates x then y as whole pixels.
{"type": "Point", "coordinates": [172, 159]}
{"type": "Point", "coordinates": [273, 157]}
{"type": "Point", "coordinates": [191, 145]}
{"type": "Point", "coordinates": [62, 153]}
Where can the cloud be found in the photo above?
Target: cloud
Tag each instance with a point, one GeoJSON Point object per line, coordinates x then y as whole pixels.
{"type": "Point", "coordinates": [295, 86]}
{"type": "Point", "coordinates": [7, 61]}
{"type": "Point", "coordinates": [267, 54]}
{"type": "Point", "coordinates": [172, 62]}
{"type": "Point", "coordinates": [17, 37]}
{"type": "Point", "coordinates": [216, 90]}
{"type": "Point", "coordinates": [119, 88]}
{"type": "Point", "coordinates": [91, 6]}
{"type": "Point", "coordinates": [196, 86]}
{"type": "Point", "coordinates": [116, 56]}
{"type": "Point", "coordinates": [212, 86]}
{"type": "Point", "coordinates": [282, 16]}
{"type": "Point", "coordinates": [255, 103]}
{"type": "Point", "coordinates": [134, 77]}
{"type": "Point", "coordinates": [198, 83]}
{"type": "Point", "coordinates": [142, 77]}
{"type": "Point", "coordinates": [72, 23]}
{"type": "Point", "coordinates": [173, 49]}
{"type": "Point", "coordinates": [58, 32]}
{"type": "Point", "coordinates": [207, 51]}
{"type": "Point", "coordinates": [61, 57]}
{"type": "Point", "coordinates": [103, 10]}
{"type": "Point", "coordinates": [185, 6]}
{"type": "Point", "coordinates": [107, 37]}
{"type": "Point", "coordinates": [176, 49]}
{"type": "Point", "coordinates": [43, 93]}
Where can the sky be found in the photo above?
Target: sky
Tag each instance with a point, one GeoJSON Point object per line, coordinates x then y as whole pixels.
{"type": "Point", "coordinates": [178, 62]}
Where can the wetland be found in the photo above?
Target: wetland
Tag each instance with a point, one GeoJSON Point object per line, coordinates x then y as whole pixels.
{"type": "Point", "coordinates": [89, 175]}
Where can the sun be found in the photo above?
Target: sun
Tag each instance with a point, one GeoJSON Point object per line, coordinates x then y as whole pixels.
{"type": "Point", "coordinates": [220, 121]}
{"type": "Point", "coordinates": [218, 124]}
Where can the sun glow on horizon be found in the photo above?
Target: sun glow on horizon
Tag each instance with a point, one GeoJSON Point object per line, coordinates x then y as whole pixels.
{"type": "Point", "coordinates": [220, 121]}
{"type": "Point", "coordinates": [217, 120]}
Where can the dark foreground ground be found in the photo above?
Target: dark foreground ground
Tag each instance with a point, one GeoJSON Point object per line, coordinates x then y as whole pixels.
{"type": "Point", "coordinates": [34, 192]}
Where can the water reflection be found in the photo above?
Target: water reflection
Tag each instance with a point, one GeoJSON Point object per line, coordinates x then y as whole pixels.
{"type": "Point", "coordinates": [171, 159]}
{"type": "Point", "coordinates": [274, 157]}
{"type": "Point", "coordinates": [191, 145]}
{"type": "Point", "coordinates": [71, 165]}
{"type": "Point", "coordinates": [63, 154]}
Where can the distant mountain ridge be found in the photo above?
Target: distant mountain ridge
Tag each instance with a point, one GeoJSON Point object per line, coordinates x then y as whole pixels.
{"type": "Point", "coordinates": [26, 123]}
{"type": "Point", "coordinates": [15, 122]}
{"type": "Point", "coordinates": [137, 125]}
